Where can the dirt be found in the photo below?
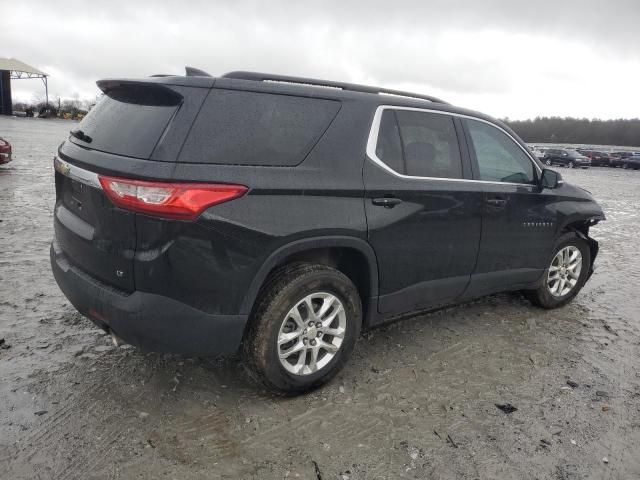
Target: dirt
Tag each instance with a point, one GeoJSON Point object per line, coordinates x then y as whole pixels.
{"type": "Point", "coordinates": [417, 400]}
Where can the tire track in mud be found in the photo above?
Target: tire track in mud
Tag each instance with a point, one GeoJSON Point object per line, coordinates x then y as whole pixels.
{"type": "Point", "coordinates": [78, 410]}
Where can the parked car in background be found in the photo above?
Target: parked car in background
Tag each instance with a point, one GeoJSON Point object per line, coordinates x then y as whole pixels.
{"type": "Point", "coordinates": [598, 159]}
{"type": "Point", "coordinates": [632, 162]}
{"type": "Point", "coordinates": [5, 151]}
{"type": "Point", "coordinates": [616, 159]}
{"type": "Point", "coordinates": [539, 153]}
{"type": "Point", "coordinates": [277, 216]}
{"type": "Point", "coordinates": [566, 158]}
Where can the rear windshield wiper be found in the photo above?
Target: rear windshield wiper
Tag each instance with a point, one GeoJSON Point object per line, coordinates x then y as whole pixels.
{"type": "Point", "coordinates": [80, 135]}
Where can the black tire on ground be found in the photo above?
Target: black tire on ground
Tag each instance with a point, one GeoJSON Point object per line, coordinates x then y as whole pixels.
{"type": "Point", "coordinates": [541, 296]}
{"type": "Point", "coordinates": [282, 291]}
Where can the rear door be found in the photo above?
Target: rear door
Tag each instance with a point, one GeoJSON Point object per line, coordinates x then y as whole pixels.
{"type": "Point", "coordinates": [423, 213]}
{"type": "Point", "coordinates": [116, 139]}
{"type": "Point", "coordinates": [518, 222]}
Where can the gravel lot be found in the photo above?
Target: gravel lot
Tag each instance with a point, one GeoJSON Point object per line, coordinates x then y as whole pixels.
{"type": "Point", "coordinates": [416, 401]}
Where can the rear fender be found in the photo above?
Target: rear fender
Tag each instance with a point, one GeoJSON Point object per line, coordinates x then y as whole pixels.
{"type": "Point", "coordinates": [305, 244]}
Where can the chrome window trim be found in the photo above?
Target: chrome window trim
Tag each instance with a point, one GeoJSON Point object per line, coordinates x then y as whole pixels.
{"type": "Point", "coordinates": [373, 141]}
{"type": "Point", "coordinates": [76, 173]}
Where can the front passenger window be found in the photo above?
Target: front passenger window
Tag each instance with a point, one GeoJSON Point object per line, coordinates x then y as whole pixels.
{"type": "Point", "coordinates": [500, 159]}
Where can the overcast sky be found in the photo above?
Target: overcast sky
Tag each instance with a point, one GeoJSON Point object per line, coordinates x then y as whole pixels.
{"type": "Point", "coordinates": [503, 57]}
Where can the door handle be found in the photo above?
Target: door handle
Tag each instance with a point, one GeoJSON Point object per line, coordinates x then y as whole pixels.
{"type": "Point", "coordinates": [387, 202]}
{"type": "Point", "coordinates": [496, 202]}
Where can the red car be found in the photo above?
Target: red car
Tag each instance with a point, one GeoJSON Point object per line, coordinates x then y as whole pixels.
{"type": "Point", "coordinates": [5, 151]}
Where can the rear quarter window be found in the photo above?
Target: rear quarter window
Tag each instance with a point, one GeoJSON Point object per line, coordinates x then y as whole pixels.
{"type": "Point", "coordinates": [262, 129]}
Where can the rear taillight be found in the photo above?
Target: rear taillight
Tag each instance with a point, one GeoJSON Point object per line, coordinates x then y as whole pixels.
{"type": "Point", "coordinates": [179, 201]}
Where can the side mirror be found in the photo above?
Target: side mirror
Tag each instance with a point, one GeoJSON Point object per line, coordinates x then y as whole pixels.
{"type": "Point", "coordinates": [550, 179]}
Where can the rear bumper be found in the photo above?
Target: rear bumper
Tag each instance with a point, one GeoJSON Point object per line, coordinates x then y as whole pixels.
{"type": "Point", "coordinates": [152, 322]}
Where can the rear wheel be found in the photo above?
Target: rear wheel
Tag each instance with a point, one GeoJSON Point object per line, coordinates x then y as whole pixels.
{"type": "Point", "coordinates": [566, 274]}
{"type": "Point", "coordinates": [304, 328]}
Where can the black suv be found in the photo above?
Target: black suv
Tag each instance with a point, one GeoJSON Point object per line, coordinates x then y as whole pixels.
{"type": "Point", "coordinates": [566, 158]}
{"type": "Point", "coordinates": [281, 215]}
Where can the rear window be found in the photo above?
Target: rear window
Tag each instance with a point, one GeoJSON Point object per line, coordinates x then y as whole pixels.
{"type": "Point", "coordinates": [250, 128]}
{"type": "Point", "coordinates": [128, 120]}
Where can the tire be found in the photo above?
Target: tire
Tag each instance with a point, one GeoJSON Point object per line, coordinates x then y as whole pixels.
{"type": "Point", "coordinates": [542, 296]}
{"type": "Point", "coordinates": [286, 292]}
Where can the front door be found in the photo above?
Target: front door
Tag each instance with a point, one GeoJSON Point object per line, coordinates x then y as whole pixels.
{"type": "Point", "coordinates": [423, 212]}
{"type": "Point", "coordinates": [518, 226]}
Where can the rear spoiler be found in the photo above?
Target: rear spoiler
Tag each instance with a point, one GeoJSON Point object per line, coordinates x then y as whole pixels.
{"type": "Point", "coordinates": [170, 80]}
{"type": "Point", "coordinates": [140, 92]}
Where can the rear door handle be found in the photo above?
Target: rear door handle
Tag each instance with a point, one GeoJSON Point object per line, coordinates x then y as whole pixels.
{"type": "Point", "coordinates": [387, 202]}
{"type": "Point", "coordinates": [496, 202]}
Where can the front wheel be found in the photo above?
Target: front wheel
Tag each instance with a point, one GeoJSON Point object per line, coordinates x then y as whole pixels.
{"type": "Point", "coordinates": [566, 274]}
{"type": "Point", "coordinates": [303, 329]}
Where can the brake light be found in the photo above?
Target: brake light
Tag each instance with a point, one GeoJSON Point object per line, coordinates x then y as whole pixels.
{"type": "Point", "coordinates": [179, 201]}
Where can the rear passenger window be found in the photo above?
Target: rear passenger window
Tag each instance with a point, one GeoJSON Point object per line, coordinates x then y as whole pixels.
{"type": "Point", "coordinates": [419, 144]}
{"type": "Point", "coordinates": [500, 159]}
{"type": "Point", "coordinates": [430, 144]}
{"type": "Point", "coordinates": [251, 128]}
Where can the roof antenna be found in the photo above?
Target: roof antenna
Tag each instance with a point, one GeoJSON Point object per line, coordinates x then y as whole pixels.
{"type": "Point", "coordinates": [195, 72]}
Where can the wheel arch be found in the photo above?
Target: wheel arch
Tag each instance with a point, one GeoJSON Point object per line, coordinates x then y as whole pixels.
{"type": "Point", "coordinates": [348, 254]}
{"type": "Point", "coordinates": [581, 227]}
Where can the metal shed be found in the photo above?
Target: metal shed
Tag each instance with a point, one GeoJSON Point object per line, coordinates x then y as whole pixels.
{"type": "Point", "coordinates": [13, 69]}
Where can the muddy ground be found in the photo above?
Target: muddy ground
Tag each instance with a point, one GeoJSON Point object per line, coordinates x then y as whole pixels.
{"type": "Point", "coordinates": [417, 399]}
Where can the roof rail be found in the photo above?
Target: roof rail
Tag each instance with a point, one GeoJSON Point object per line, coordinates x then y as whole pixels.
{"type": "Point", "coordinates": [353, 87]}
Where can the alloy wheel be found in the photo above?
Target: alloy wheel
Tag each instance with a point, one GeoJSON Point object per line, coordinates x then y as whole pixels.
{"type": "Point", "coordinates": [564, 271]}
{"type": "Point", "coordinates": [311, 333]}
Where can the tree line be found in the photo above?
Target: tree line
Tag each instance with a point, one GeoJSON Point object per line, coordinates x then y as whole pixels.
{"type": "Point", "coordinates": [621, 132]}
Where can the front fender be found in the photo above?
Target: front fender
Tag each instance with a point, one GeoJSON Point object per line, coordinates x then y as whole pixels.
{"type": "Point", "coordinates": [576, 206]}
